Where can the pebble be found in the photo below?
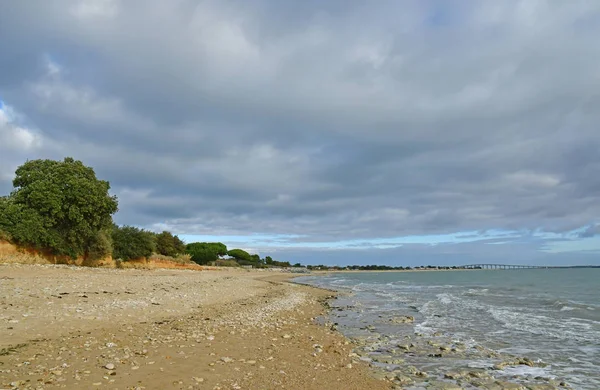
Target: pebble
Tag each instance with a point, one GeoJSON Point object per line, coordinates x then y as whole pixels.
{"type": "Point", "coordinates": [109, 366]}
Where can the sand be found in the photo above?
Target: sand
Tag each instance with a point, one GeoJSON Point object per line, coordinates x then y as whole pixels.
{"type": "Point", "coordinates": [86, 328]}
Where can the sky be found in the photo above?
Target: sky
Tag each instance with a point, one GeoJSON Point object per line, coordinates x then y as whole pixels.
{"type": "Point", "coordinates": [323, 132]}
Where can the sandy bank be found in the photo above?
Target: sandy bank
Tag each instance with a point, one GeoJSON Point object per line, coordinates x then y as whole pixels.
{"type": "Point", "coordinates": [69, 327]}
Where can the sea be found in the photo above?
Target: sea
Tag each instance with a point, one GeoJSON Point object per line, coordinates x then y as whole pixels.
{"type": "Point", "coordinates": [551, 316]}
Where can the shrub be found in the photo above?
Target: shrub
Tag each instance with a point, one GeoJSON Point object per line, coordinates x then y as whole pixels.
{"type": "Point", "coordinates": [101, 246]}
{"type": "Point", "coordinates": [4, 236]}
{"type": "Point", "coordinates": [226, 263]}
{"type": "Point", "coordinates": [130, 243]}
{"type": "Point", "coordinates": [184, 258]}
{"type": "Point", "coordinates": [169, 245]}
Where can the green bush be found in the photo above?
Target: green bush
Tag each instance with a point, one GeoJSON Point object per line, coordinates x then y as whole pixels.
{"type": "Point", "coordinates": [130, 243]}
{"type": "Point", "coordinates": [226, 263]}
{"type": "Point", "coordinates": [4, 236]}
{"type": "Point", "coordinates": [169, 245]}
{"type": "Point", "coordinates": [101, 246]}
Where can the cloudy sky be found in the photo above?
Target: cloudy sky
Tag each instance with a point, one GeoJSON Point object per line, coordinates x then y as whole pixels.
{"type": "Point", "coordinates": [339, 131]}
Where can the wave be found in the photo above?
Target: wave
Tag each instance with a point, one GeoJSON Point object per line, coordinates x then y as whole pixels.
{"type": "Point", "coordinates": [570, 305]}
{"type": "Point", "coordinates": [563, 329]}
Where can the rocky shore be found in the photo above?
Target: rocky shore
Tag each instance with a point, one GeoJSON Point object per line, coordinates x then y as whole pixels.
{"type": "Point", "coordinates": [411, 360]}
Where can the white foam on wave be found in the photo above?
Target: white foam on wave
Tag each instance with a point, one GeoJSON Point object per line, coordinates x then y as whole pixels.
{"type": "Point", "coordinates": [445, 298]}
{"type": "Point", "coordinates": [425, 328]}
{"type": "Point", "coordinates": [526, 371]}
{"type": "Point", "coordinates": [567, 308]}
{"type": "Point", "coordinates": [565, 329]}
{"type": "Point", "coordinates": [477, 292]}
{"type": "Point", "coordinates": [338, 281]}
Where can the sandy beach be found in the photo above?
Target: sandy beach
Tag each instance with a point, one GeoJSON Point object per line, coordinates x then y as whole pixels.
{"type": "Point", "coordinates": [85, 328]}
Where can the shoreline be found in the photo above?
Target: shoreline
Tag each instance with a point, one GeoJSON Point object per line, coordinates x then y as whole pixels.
{"type": "Point", "coordinates": [146, 329]}
{"type": "Point", "coordinates": [391, 354]}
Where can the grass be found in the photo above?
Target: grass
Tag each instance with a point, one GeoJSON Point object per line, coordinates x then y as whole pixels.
{"type": "Point", "coordinates": [4, 236]}
{"type": "Point", "coordinates": [22, 258]}
{"type": "Point", "coordinates": [226, 263]}
{"type": "Point", "coordinates": [181, 259]}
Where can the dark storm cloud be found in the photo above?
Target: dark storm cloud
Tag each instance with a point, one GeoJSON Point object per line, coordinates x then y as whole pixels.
{"type": "Point", "coordinates": [331, 120]}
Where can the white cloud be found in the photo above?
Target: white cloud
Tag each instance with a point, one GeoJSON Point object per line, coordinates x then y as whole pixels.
{"type": "Point", "coordinates": [364, 120]}
{"type": "Point", "coordinates": [90, 9]}
{"type": "Point", "coordinates": [13, 136]}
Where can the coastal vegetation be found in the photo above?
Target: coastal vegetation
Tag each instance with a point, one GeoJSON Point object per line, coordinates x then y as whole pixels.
{"type": "Point", "coordinates": [61, 208]}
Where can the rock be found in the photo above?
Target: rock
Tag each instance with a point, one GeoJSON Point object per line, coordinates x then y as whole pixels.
{"type": "Point", "coordinates": [526, 362]}
{"type": "Point", "coordinates": [402, 320]}
{"type": "Point", "coordinates": [109, 366]}
{"type": "Point", "coordinates": [286, 336]}
{"type": "Point", "coordinates": [502, 365]}
{"type": "Point", "coordinates": [452, 375]}
{"type": "Point", "coordinates": [477, 374]}
{"type": "Point", "coordinates": [404, 380]}
{"type": "Point", "coordinates": [226, 359]}
{"type": "Point", "coordinates": [439, 385]}
{"type": "Point", "coordinates": [511, 386]}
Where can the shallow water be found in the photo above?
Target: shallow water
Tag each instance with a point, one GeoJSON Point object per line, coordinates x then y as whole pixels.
{"type": "Point", "coordinates": [548, 315]}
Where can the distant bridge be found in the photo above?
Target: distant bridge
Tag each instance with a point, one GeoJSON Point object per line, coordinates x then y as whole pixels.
{"type": "Point", "coordinates": [503, 266]}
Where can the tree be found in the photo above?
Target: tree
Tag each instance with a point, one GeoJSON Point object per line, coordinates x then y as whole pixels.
{"type": "Point", "coordinates": [240, 254]}
{"type": "Point", "coordinates": [60, 206]}
{"type": "Point", "coordinates": [131, 243]}
{"type": "Point", "coordinates": [255, 259]}
{"type": "Point", "coordinates": [205, 252]}
{"type": "Point", "coordinates": [169, 245]}
{"type": "Point", "coordinates": [268, 260]}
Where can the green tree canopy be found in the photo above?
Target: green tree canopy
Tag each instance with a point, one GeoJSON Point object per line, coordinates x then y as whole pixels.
{"type": "Point", "coordinates": [131, 243]}
{"type": "Point", "coordinates": [205, 252]}
{"type": "Point", "coordinates": [240, 254]}
{"type": "Point", "coordinates": [168, 244]}
{"type": "Point", "coordinates": [60, 206]}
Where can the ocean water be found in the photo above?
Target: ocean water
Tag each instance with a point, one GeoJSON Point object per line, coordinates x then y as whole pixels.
{"type": "Point", "coordinates": [551, 316]}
